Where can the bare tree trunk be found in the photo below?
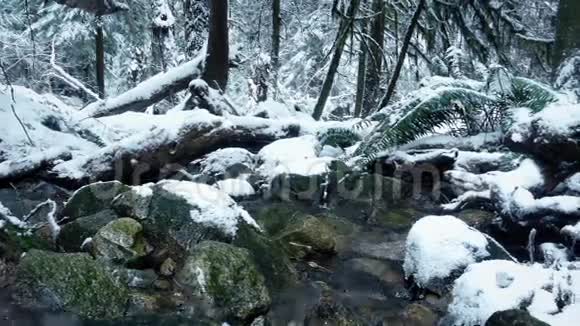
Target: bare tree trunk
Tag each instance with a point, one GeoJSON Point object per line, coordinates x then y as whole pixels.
{"type": "Point", "coordinates": [568, 31]}
{"type": "Point", "coordinates": [276, 24]}
{"type": "Point", "coordinates": [361, 73]}
{"type": "Point", "coordinates": [100, 49]}
{"type": "Point", "coordinates": [343, 33]}
{"type": "Point", "coordinates": [375, 65]}
{"type": "Point", "coordinates": [217, 62]}
{"type": "Point", "coordinates": [402, 55]}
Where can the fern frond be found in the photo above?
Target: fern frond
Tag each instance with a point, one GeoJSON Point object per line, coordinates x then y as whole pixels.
{"type": "Point", "coordinates": [338, 137]}
{"type": "Point", "coordinates": [445, 107]}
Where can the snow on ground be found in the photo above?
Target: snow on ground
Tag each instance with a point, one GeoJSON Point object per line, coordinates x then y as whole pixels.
{"type": "Point", "coordinates": [51, 124]}
{"type": "Point", "coordinates": [500, 185]}
{"type": "Point", "coordinates": [439, 245]}
{"type": "Point", "coordinates": [236, 187]}
{"type": "Point", "coordinates": [211, 206]}
{"type": "Point", "coordinates": [6, 216]}
{"type": "Point", "coordinates": [497, 285]}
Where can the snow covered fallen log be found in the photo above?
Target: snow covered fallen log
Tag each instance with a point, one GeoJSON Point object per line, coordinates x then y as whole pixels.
{"type": "Point", "coordinates": [552, 135]}
{"type": "Point", "coordinates": [28, 165]}
{"type": "Point", "coordinates": [174, 141]}
{"type": "Point", "coordinates": [149, 91]}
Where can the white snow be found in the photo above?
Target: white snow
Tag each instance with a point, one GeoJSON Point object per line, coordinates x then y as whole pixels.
{"type": "Point", "coordinates": [6, 215]}
{"type": "Point", "coordinates": [218, 162]}
{"type": "Point", "coordinates": [210, 205]}
{"type": "Point", "coordinates": [38, 113]}
{"type": "Point", "coordinates": [236, 187]}
{"type": "Point", "coordinates": [293, 155]}
{"type": "Point", "coordinates": [147, 87]}
{"type": "Point", "coordinates": [497, 285]}
{"type": "Point", "coordinates": [439, 245]}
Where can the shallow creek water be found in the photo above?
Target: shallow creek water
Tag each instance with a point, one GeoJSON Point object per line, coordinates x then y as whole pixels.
{"type": "Point", "coordinates": [365, 277]}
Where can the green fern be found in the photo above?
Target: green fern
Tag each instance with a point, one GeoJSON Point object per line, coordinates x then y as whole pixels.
{"type": "Point", "coordinates": [338, 137]}
{"type": "Point", "coordinates": [459, 110]}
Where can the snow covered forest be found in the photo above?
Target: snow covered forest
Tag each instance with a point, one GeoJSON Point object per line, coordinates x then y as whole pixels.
{"type": "Point", "coordinates": [289, 162]}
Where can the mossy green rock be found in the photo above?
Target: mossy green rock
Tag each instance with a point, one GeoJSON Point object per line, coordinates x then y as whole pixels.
{"type": "Point", "coordinates": [73, 282]}
{"type": "Point", "coordinates": [93, 198]}
{"type": "Point", "coordinates": [169, 225]}
{"type": "Point", "coordinates": [308, 235]}
{"type": "Point", "coordinates": [227, 277]}
{"type": "Point", "coordinates": [14, 241]}
{"type": "Point", "coordinates": [396, 218]}
{"type": "Point", "coordinates": [269, 256]}
{"type": "Point", "coordinates": [73, 234]}
{"type": "Point", "coordinates": [121, 241]}
{"type": "Point", "coordinates": [135, 202]}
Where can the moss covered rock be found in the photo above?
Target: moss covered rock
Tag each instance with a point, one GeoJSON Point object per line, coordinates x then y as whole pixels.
{"type": "Point", "coordinates": [308, 235]}
{"type": "Point", "coordinates": [93, 198]}
{"type": "Point", "coordinates": [269, 256]}
{"type": "Point", "coordinates": [73, 282]}
{"type": "Point", "coordinates": [227, 277]}
{"type": "Point", "coordinates": [73, 234]}
{"type": "Point", "coordinates": [121, 241]}
{"type": "Point", "coordinates": [135, 202]}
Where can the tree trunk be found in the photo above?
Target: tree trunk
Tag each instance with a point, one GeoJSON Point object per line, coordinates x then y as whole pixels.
{"type": "Point", "coordinates": [196, 25]}
{"type": "Point", "coordinates": [402, 55]}
{"type": "Point", "coordinates": [217, 62]}
{"type": "Point", "coordinates": [568, 31]}
{"type": "Point", "coordinates": [375, 65]}
{"type": "Point", "coordinates": [100, 49]}
{"type": "Point", "coordinates": [343, 33]}
{"type": "Point", "coordinates": [361, 74]}
{"type": "Point", "coordinates": [276, 24]}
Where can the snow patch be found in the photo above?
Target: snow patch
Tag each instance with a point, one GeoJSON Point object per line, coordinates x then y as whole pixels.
{"type": "Point", "coordinates": [211, 206]}
{"type": "Point", "coordinates": [439, 245]}
{"type": "Point", "coordinates": [236, 187]}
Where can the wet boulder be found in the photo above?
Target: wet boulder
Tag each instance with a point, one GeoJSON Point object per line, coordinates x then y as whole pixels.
{"type": "Point", "coordinates": [226, 276]}
{"type": "Point", "coordinates": [74, 282]}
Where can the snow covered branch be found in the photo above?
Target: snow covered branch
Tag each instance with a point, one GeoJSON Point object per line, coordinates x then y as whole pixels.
{"type": "Point", "coordinates": [149, 91]}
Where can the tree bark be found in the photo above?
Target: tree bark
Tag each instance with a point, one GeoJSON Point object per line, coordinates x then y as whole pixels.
{"type": "Point", "coordinates": [100, 49]}
{"type": "Point", "coordinates": [397, 72]}
{"type": "Point", "coordinates": [148, 92]}
{"type": "Point", "coordinates": [567, 32]}
{"type": "Point", "coordinates": [217, 62]}
{"type": "Point", "coordinates": [375, 65]}
{"type": "Point", "coordinates": [361, 73]}
{"type": "Point", "coordinates": [343, 32]}
{"type": "Point", "coordinates": [169, 151]}
{"type": "Point", "coordinates": [276, 26]}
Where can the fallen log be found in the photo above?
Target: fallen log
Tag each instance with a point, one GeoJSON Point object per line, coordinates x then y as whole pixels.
{"type": "Point", "coordinates": [12, 170]}
{"type": "Point", "coordinates": [163, 151]}
{"type": "Point", "coordinates": [149, 91]}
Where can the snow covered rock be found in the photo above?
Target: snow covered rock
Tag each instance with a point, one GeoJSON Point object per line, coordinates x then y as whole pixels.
{"type": "Point", "coordinates": [570, 186]}
{"type": "Point", "coordinates": [224, 164]}
{"type": "Point", "coordinates": [551, 135]}
{"type": "Point", "coordinates": [439, 248]}
{"type": "Point", "coordinates": [297, 155]}
{"type": "Point", "coordinates": [227, 277]}
{"type": "Point", "coordinates": [236, 188]}
{"type": "Point", "coordinates": [496, 285]}
{"type": "Point", "coordinates": [183, 213]}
